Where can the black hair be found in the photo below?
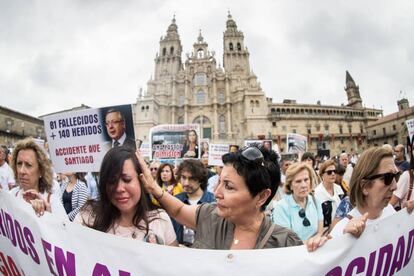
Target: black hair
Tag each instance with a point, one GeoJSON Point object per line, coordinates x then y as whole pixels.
{"type": "Point", "coordinates": [197, 170]}
{"type": "Point", "coordinates": [104, 212]}
{"type": "Point", "coordinates": [258, 176]}
{"type": "Point", "coordinates": [308, 155]}
{"type": "Point", "coordinates": [340, 169]}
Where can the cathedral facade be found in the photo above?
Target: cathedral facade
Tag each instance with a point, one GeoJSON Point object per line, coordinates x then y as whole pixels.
{"type": "Point", "coordinates": [230, 105]}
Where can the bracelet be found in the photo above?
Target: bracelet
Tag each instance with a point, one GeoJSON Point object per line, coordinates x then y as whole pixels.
{"type": "Point", "coordinates": [162, 194]}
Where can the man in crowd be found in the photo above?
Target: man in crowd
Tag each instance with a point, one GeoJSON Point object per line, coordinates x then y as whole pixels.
{"type": "Point", "coordinates": [344, 162]}
{"type": "Point", "coordinates": [115, 127]}
{"type": "Point", "coordinates": [400, 161]}
{"type": "Point", "coordinates": [6, 173]}
{"type": "Point", "coordinates": [193, 177]}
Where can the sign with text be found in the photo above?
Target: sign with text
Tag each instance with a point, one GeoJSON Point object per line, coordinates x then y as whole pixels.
{"type": "Point", "coordinates": [410, 128]}
{"type": "Point", "coordinates": [31, 245]}
{"type": "Point", "coordinates": [78, 140]}
{"type": "Point", "coordinates": [216, 152]}
{"type": "Point", "coordinates": [175, 141]}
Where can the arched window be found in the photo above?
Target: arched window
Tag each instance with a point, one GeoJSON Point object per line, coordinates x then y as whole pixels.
{"type": "Point", "coordinates": [272, 110]}
{"type": "Point", "coordinates": [231, 46]}
{"type": "Point", "coordinates": [200, 79]}
{"type": "Point", "coordinates": [257, 104]}
{"type": "Point", "coordinates": [238, 46]}
{"type": "Point", "coordinates": [222, 126]}
{"type": "Point", "coordinates": [171, 50]}
{"type": "Point", "coordinates": [164, 51]}
{"type": "Point", "coordinates": [201, 97]}
{"type": "Point", "coordinates": [181, 100]}
{"type": "Point", "coordinates": [200, 53]}
{"type": "Point", "coordinates": [205, 126]}
{"type": "Point", "coordinates": [221, 97]}
{"type": "Point", "coordinates": [180, 120]}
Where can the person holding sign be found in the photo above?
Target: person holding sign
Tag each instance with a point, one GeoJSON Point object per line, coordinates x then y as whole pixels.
{"type": "Point", "coordinates": [190, 148]}
{"type": "Point", "coordinates": [247, 184]}
{"type": "Point", "coordinates": [373, 182]}
{"type": "Point", "coordinates": [124, 208]}
{"type": "Point", "coordinates": [34, 178]}
{"type": "Point", "coordinates": [115, 127]}
{"type": "Point", "coordinates": [166, 180]}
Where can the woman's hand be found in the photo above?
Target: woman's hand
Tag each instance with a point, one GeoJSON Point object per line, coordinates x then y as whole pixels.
{"type": "Point", "coordinates": [315, 242]}
{"type": "Point", "coordinates": [38, 203]}
{"type": "Point", "coordinates": [356, 226]}
{"type": "Point", "coordinates": [145, 177]}
{"type": "Point", "coordinates": [409, 205]}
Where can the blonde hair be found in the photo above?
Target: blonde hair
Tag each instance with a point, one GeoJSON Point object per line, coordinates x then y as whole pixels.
{"type": "Point", "coordinates": [45, 166]}
{"type": "Point", "coordinates": [367, 165]}
{"type": "Point", "coordinates": [291, 173]}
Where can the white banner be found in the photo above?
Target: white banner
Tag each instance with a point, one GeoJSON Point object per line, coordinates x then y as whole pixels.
{"type": "Point", "coordinates": [31, 245]}
{"type": "Point", "coordinates": [78, 140]}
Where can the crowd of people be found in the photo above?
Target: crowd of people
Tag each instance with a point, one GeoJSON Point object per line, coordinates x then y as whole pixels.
{"type": "Point", "coordinates": [255, 200]}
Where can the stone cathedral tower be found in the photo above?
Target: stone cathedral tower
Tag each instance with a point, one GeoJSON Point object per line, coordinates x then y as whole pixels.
{"type": "Point", "coordinates": [227, 101]}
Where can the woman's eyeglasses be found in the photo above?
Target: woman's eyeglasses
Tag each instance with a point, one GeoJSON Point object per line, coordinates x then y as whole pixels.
{"type": "Point", "coordinates": [302, 214]}
{"type": "Point", "coordinates": [329, 172]}
{"type": "Point", "coordinates": [387, 177]}
{"type": "Point", "coordinates": [253, 154]}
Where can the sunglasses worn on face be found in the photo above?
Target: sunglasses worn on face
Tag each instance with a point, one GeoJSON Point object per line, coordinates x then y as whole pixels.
{"type": "Point", "coordinates": [387, 177]}
{"type": "Point", "coordinates": [253, 154]}
{"type": "Point", "coordinates": [153, 169]}
{"type": "Point", "coordinates": [302, 214]}
{"type": "Point", "coordinates": [329, 172]}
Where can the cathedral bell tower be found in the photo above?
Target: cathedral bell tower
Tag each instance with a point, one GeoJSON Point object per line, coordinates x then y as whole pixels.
{"type": "Point", "coordinates": [235, 55]}
{"type": "Point", "coordinates": [352, 92]}
{"type": "Point", "coordinates": [168, 59]}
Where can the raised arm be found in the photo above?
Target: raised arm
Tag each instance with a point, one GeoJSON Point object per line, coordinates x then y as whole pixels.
{"type": "Point", "coordinates": [182, 213]}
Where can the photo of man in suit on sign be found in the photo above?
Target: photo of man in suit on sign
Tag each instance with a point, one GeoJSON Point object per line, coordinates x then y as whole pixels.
{"type": "Point", "coordinates": [116, 129]}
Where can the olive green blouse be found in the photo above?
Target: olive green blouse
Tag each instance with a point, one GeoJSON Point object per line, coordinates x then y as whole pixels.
{"type": "Point", "coordinates": [215, 232]}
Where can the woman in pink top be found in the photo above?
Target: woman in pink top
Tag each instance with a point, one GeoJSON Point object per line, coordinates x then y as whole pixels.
{"type": "Point", "coordinates": [124, 209]}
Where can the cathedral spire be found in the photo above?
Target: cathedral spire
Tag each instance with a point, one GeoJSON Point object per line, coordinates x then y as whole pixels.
{"type": "Point", "coordinates": [352, 92]}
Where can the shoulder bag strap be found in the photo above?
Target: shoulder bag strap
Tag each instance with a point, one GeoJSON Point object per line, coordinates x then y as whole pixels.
{"type": "Point", "coordinates": [410, 190]}
{"type": "Point", "coordinates": [266, 237]}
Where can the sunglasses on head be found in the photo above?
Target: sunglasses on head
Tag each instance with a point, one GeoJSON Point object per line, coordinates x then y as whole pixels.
{"type": "Point", "coordinates": [253, 154]}
{"type": "Point", "coordinates": [329, 172]}
{"type": "Point", "coordinates": [302, 214]}
{"type": "Point", "coordinates": [387, 177]}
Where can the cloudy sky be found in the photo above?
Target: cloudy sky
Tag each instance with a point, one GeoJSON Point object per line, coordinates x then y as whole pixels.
{"type": "Point", "coordinates": [55, 55]}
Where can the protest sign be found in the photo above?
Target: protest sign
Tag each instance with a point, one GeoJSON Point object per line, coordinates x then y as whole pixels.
{"type": "Point", "coordinates": [267, 144]}
{"type": "Point", "coordinates": [47, 245]}
{"type": "Point", "coordinates": [175, 141]}
{"type": "Point", "coordinates": [296, 143]}
{"type": "Point", "coordinates": [204, 148]}
{"type": "Point", "coordinates": [410, 128]}
{"type": "Point", "coordinates": [78, 140]}
{"type": "Point", "coordinates": [216, 152]}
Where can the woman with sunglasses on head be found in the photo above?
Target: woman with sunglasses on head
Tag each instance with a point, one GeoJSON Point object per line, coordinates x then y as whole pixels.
{"type": "Point", "coordinates": [328, 193]}
{"type": "Point", "coordinates": [373, 181]}
{"type": "Point", "coordinates": [299, 210]}
{"type": "Point", "coordinates": [124, 209]}
{"type": "Point", "coordinates": [247, 184]}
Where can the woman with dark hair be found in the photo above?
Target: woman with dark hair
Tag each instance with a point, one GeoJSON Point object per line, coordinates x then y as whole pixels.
{"type": "Point", "coordinates": [373, 181]}
{"type": "Point", "coordinates": [190, 148]}
{"type": "Point", "coordinates": [247, 184]}
{"type": "Point", "coordinates": [34, 178]}
{"type": "Point", "coordinates": [124, 209]}
{"type": "Point", "coordinates": [166, 180]}
{"type": "Point", "coordinates": [74, 193]}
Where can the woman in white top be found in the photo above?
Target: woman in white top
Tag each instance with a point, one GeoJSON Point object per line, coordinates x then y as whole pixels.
{"type": "Point", "coordinates": [372, 184]}
{"type": "Point", "coordinates": [327, 192]}
{"type": "Point", "coordinates": [34, 178]}
{"type": "Point", "coordinates": [124, 209]}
